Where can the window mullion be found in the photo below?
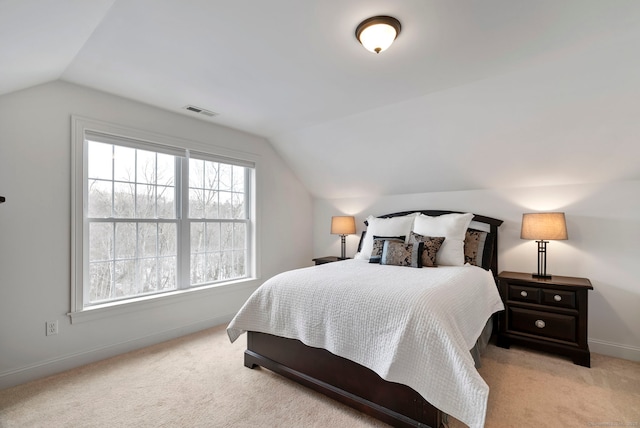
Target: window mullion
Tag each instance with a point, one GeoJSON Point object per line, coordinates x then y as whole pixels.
{"type": "Point", "coordinates": [248, 231]}
{"type": "Point", "coordinates": [155, 187]}
{"type": "Point", "coordinates": [184, 247]}
{"type": "Point", "coordinates": [113, 181]}
{"type": "Point", "coordinates": [113, 257]}
{"type": "Point", "coordinates": [137, 256]}
{"type": "Point", "coordinates": [158, 255]}
{"type": "Point", "coordinates": [135, 185]}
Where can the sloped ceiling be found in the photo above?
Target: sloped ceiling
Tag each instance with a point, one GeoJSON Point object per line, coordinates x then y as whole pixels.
{"type": "Point", "coordinates": [473, 94]}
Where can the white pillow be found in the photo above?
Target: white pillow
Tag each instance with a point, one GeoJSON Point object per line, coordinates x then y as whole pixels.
{"type": "Point", "coordinates": [394, 226]}
{"type": "Point", "coordinates": [453, 227]}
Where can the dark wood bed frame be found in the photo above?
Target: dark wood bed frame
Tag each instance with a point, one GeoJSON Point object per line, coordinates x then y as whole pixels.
{"type": "Point", "coordinates": [346, 381]}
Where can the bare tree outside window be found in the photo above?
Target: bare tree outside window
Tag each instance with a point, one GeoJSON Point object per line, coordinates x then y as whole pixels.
{"type": "Point", "coordinates": [131, 252]}
{"type": "Point", "coordinates": [218, 221]}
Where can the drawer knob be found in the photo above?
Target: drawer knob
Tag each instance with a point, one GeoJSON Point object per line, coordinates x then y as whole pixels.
{"type": "Point", "coordinates": [557, 297]}
{"type": "Point", "coordinates": [523, 293]}
{"type": "Point", "coordinates": [540, 324]}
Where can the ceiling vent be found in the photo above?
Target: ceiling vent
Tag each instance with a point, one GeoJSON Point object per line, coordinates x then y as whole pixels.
{"type": "Point", "coordinates": [199, 110]}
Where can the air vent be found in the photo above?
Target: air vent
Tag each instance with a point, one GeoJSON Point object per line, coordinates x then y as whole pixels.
{"type": "Point", "coordinates": [200, 111]}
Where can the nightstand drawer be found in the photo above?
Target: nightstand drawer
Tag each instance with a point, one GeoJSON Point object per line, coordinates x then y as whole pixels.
{"type": "Point", "coordinates": [564, 299]}
{"type": "Point", "coordinates": [555, 326]}
{"type": "Point", "coordinates": [524, 294]}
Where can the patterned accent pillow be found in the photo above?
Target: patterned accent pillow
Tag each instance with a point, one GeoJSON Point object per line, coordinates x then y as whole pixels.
{"type": "Point", "coordinates": [378, 243]}
{"type": "Point", "coordinates": [478, 248]}
{"type": "Point", "coordinates": [431, 246]}
{"type": "Point", "coordinates": [401, 254]}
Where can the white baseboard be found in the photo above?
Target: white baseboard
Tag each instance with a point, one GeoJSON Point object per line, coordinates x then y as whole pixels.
{"type": "Point", "coordinates": [617, 350]}
{"type": "Point", "coordinates": [67, 362]}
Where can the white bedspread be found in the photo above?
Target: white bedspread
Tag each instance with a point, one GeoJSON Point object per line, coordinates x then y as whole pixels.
{"type": "Point", "coordinates": [411, 326]}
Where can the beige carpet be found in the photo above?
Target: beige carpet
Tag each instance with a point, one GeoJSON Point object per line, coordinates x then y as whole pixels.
{"type": "Point", "coordinates": [200, 381]}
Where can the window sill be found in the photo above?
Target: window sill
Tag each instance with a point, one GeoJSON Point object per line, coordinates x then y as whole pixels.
{"type": "Point", "coordinates": [115, 309]}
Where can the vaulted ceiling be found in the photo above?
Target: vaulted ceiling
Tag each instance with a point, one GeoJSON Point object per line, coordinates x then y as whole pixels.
{"type": "Point", "coordinates": [473, 94]}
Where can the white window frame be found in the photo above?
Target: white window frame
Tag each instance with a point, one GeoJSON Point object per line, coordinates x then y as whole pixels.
{"type": "Point", "coordinates": [81, 127]}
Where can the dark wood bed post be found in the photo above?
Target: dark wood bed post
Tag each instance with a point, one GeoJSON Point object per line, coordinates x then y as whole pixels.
{"type": "Point", "coordinates": [349, 382]}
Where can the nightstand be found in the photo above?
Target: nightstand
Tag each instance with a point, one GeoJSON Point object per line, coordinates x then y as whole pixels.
{"type": "Point", "coordinates": [328, 259]}
{"type": "Point", "coordinates": [545, 314]}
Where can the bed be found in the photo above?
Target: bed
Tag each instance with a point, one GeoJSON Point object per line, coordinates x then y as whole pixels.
{"type": "Point", "coordinates": [298, 325]}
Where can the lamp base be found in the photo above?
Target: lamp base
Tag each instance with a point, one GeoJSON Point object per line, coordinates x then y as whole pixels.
{"type": "Point", "coordinates": [542, 261]}
{"type": "Point", "coordinates": [540, 276]}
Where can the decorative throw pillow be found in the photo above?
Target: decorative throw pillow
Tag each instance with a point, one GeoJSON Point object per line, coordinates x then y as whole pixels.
{"type": "Point", "coordinates": [453, 227]}
{"type": "Point", "coordinates": [401, 254]}
{"type": "Point", "coordinates": [394, 226]}
{"type": "Point", "coordinates": [431, 246]}
{"type": "Point", "coordinates": [478, 248]}
{"type": "Point", "coordinates": [378, 244]}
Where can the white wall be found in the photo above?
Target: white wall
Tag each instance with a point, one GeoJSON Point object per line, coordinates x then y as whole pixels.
{"type": "Point", "coordinates": [35, 234]}
{"type": "Point", "coordinates": [603, 222]}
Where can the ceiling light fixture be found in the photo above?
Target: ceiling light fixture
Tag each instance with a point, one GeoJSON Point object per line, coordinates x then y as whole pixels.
{"type": "Point", "coordinates": [377, 33]}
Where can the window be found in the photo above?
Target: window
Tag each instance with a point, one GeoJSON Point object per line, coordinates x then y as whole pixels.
{"type": "Point", "coordinates": [218, 226]}
{"type": "Point", "coordinates": [132, 221]}
{"type": "Point", "coordinates": [155, 218]}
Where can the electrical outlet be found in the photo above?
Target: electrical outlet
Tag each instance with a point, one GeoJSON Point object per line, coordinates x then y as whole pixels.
{"type": "Point", "coordinates": [52, 328]}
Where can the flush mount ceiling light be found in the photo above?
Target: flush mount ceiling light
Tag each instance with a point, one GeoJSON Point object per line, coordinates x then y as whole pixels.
{"type": "Point", "coordinates": [377, 33]}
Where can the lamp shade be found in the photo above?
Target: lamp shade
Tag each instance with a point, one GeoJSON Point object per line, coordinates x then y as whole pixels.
{"type": "Point", "coordinates": [376, 34]}
{"type": "Point", "coordinates": [343, 225]}
{"type": "Point", "coordinates": [543, 226]}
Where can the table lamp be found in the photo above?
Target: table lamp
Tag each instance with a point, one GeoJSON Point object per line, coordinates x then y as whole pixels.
{"type": "Point", "coordinates": [543, 227]}
{"type": "Point", "coordinates": [343, 226]}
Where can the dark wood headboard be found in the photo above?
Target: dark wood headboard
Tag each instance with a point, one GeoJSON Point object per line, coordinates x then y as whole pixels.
{"type": "Point", "coordinates": [493, 223]}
